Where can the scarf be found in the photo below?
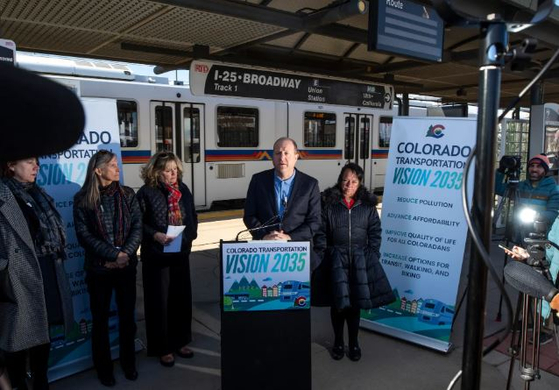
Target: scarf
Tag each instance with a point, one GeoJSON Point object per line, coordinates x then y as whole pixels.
{"type": "Point", "coordinates": [51, 236]}
{"type": "Point", "coordinates": [119, 219]}
{"type": "Point", "coordinates": [174, 215]}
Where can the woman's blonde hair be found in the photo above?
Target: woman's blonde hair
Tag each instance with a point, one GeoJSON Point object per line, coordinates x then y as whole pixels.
{"type": "Point", "coordinates": [157, 164]}
{"type": "Point", "coordinates": [90, 188]}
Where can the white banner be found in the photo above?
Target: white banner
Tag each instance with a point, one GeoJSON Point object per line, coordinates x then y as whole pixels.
{"type": "Point", "coordinates": [62, 175]}
{"type": "Point", "coordinates": [424, 228]}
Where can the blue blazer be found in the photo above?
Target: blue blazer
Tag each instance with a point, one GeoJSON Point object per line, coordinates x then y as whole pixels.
{"type": "Point", "coordinates": [302, 217]}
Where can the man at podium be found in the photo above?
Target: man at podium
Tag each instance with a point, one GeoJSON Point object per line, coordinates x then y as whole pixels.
{"type": "Point", "coordinates": [283, 203]}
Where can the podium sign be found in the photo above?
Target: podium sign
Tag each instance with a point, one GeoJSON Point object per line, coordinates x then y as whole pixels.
{"type": "Point", "coordinates": [265, 321]}
{"type": "Point", "coordinates": [265, 275]}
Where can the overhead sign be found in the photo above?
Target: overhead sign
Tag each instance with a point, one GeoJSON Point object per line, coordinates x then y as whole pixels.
{"type": "Point", "coordinates": [208, 78]}
{"type": "Point", "coordinates": [405, 28]}
{"type": "Point", "coordinates": [7, 51]}
{"type": "Point", "coordinates": [265, 275]}
{"type": "Point", "coordinates": [424, 228]}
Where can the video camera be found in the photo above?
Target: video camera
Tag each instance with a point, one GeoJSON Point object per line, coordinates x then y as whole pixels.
{"type": "Point", "coordinates": [535, 230]}
{"type": "Point", "coordinates": [510, 166]}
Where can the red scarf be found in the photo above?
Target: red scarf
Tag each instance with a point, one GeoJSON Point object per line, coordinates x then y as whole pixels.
{"type": "Point", "coordinates": [350, 203]}
{"type": "Point", "coordinates": [174, 216]}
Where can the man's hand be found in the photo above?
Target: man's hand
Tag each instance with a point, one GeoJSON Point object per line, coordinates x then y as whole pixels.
{"type": "Point", "coordinates": [277, 235]}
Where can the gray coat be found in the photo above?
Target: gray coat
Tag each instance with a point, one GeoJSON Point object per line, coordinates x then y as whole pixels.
{"type": "Point", "coordinates": [23, 313]}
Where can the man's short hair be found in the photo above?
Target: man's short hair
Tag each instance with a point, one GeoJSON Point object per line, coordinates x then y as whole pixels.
{"type": "Point", "coordinates": [286, 139]}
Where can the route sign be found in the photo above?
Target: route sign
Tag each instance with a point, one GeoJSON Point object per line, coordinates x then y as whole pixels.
{"type": "Point", "coordinates": [405, 28]}
{"type": "Point", "coordinates": [7, 51]}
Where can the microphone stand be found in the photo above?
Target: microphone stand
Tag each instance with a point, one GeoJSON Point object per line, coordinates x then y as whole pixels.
{"type": "Point", "coordinates": [266, 225]}
{"type": "Point", "coordinates": [269, 223]}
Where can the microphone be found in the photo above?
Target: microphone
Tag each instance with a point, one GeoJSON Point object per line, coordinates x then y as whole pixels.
{"type": "Point", "coordinates": [284, 205]}
{"type": "Point", "coordinates": [266, 225]}
{"type": "Point", "coordinates": [528, 281]}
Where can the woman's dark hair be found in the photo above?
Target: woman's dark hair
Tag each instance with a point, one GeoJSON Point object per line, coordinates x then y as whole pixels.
{"type": "Point", "coordinates": [5, 166]}
{"type": "Point", "coordinates": [358, 171]}
{"type": "Point", "coordinates": [353, 168]}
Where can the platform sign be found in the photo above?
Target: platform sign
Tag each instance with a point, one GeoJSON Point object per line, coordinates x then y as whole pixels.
{"type": "Point", "coordinates": [265, 275]}
{"type": "Point", "coordinates": [208, 78]}
{"type": "Point", "coordinates": [424, 228]}
{"type": "Point", "coordinates": [405, 28]}
{"type": "Point", "coordinates": [7, 51]}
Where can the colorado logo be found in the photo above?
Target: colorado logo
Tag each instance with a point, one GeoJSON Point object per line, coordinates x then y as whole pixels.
{"type": "Point", "coordinates": [435, 131]}
{"type": "Point", "coordinates": [300, 301]}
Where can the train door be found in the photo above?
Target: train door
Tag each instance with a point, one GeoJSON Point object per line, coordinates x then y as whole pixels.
{"type": "Point", "coordinates": [177, 128]}
{"type": "Point", "coordinates": [357, 143]}
{"type": "Point", "coordinates": [192, 119]}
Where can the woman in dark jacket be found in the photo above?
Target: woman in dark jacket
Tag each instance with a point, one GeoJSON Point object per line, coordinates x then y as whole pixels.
{"type": "Point", "coordinates": [34, 292]}
{"type": "Point", "coordinates": [350, 241]}
{"type": "Point", "coordinates": [166, 201]}
{"type": "Point", "coordinates": [108, 225]}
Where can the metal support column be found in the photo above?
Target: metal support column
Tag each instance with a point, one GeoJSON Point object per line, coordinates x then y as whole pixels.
{"type": "Point", "coordinates": [492, 50]}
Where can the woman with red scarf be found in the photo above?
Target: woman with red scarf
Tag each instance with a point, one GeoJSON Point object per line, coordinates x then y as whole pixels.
{"type": "Point", "coordinates": [166, 201]}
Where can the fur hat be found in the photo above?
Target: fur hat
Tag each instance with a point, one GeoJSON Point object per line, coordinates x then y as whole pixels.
{"type": "Point", "coordinates": [37, 116]}
{"type": "Point", "coordinates": [542, 160]}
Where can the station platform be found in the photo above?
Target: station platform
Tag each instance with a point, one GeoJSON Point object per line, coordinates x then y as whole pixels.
{"type": "Point", "coordinates": [387, 363]}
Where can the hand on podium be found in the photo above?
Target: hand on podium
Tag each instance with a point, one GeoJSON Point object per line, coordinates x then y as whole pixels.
{"type": "Point", "coordinates": [277, 235]}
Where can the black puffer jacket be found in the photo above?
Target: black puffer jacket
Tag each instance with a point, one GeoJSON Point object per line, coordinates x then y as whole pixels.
{"type": "Point", "coordinates": [97, 249]}
{"type": "Point", "coordinates": [352, 275]}
{"type": "Point", "coordinates": [153, 203]}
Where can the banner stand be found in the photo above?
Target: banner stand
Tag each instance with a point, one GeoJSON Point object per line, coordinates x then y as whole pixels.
{"type": "Point", "coordinates": [264, 349]}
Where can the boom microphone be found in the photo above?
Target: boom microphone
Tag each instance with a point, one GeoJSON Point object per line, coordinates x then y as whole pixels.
{"type": "Point", "coordinates": [528, 281]}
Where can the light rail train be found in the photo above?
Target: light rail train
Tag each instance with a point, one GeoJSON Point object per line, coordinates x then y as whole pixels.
{"type": "Point", "coordinates": [224, 124]}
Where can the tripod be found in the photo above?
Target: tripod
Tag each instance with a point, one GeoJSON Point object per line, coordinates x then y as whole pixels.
{"type": "Point", "coordinates": [529, 357]}
{"type": "Point", "coordinates": [508, 202]}
{"type": "Point", "coordinates": [529, 364]}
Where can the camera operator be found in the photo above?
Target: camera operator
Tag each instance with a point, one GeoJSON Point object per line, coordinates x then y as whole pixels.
{"type": "Point", "coordinates": [537, 191]}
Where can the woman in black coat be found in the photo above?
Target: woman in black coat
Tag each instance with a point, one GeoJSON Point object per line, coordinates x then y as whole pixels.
{"type": "Point", "coordinates": [350, 241]}
{"type": "Point", "coordinates": [166, 201]}
{"type": "Point", "coordinates": [108, 225]}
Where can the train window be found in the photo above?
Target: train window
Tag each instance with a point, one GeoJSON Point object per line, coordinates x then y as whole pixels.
{"type": "Point", "coordinates": [349, 137]}
{"type": "Point", "coordinates": [191, 135]}
{"type": "Point", "coordinates": [320, 129]}
{"type": "Point", "coordinates": [384, 132]}
{"type": "Point", "coordinates": [163, 128]}
{"type": "Point", "coordinates": [237, 127]}
{"type": "Point", "coordinates": [364, 131]}
{"type": "Point", "coordinates": [127, 122]}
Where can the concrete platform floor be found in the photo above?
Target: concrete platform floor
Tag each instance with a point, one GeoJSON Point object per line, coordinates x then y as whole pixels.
{"type": "Point", "coordinates": [387, 363]}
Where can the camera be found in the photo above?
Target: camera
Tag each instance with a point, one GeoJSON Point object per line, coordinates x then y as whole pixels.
{"type": "Point", "coordinates": [510, 165]}
{"type": "Point", "coordinates": [534, 230]}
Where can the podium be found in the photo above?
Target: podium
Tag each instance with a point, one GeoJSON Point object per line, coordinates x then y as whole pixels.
{"type": "Point", "coordinates": [265, 315]}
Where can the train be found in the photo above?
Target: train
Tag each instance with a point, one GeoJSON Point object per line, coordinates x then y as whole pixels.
{"type": "Point", "coordinates": [223, 125]}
